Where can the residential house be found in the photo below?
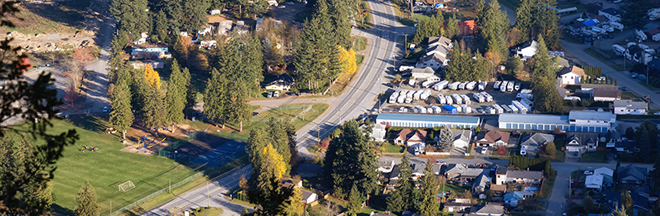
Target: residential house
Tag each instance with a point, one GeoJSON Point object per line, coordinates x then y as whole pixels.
{"type": "Point", "coordinates": [433, 61]}
{"type": "Point", "coordinates": [142, 64]}
{"type": "Point", "coordinates": [571, 75]}
{"type": "Point", "coordinates": [632, 174]}
{"type": "Point", "coordinates": [499, 190]}
{"type": "Point", "coordinates": [411, 137]}
{"type": "Point", "coordinates": [283, 82]}
{"type": "Point", "coordinates": [461, 138]}
{"type": "Point", "coordinates": [493, 138]}
{"type": "Point", "coordinates": [599, 178]}
{"type": "Point", "coordinates": [520, 176]}
{"type": "Point", "coordinates": [462, 172]}
{"type": "Point", "coordinates": [581, 141]}
{"type": "Point", "coordinates": [638, 54]}
{"type": "Point", "coordinates": [612, 14]}
{"type": "Point", "coordinates": [526, 50]}
{"type": "Point", "coordinates": [625, 146]}
{"type": "Point", "coordinates": [490, 210]}
{"type": "Point", "coordinates": [466, 27]}
{"type": "Point", "coordinates": [308, 170]}
{"type": "Point", "coordinates": [533, 142]}
{"type": "Point", "coordinates": [309, 198]}
{"type": "Point", "coordinates": [385, 166]}
{"type": "Point", "coordinates": [624, 107]}
{"type": "Point", "coordinates": [457, 207]}
{"type": "Point", "coordinates": [500, 175]}
{"type": "Point", "coordinates": [594, 182]}
{"type": "Point", "coordinates": [641, 201]}
{"type": "Point", "coordinates": [418, 170]}
{"type": "Point", "coordinates": [154, 49]}
{"type": "Point", "coordinates": [422, 73]}
{"type": "Point", "coordinates": [591, 121]}
{"type": "Point", "coordinates": [480, 184]}
{"type": "Point", "coordinates": [512, 198]}
{"type": "Point", "coordinates": [378, 132]}
{"type": "Point", "coordinates": [440, 41]}
{"type": "Point", "coordinates": [601, 92]}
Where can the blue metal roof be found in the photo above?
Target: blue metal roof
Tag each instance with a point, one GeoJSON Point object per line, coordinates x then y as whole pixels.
{"type": "Point", "coordinates": [533, 118]}
{"type": "Point", "coordinates": [589, 23]}
{"type": "Point", "coordinates": [428, 118]}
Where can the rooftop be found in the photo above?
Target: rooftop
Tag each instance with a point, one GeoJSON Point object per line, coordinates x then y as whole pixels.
{"type": "Point", "coordinates": [492, 136]}
{"type": "Point", "coordinates": [533, 118]}
{"type": "Point", "coordinates": [630, 104]}
{"type": "Point", "coordinates": [574, 69]}
{"type": "Point", "coordinates": [524, 174]}
{"type": "Point", "coordinates": [612, 11]}
{"type": "Point", "coordinates": [428, 118]}
{"type": "Point", "coordinates": [501, 170]}
{"type": "Point", "coordinates": [537, 139]}
{"type": "Point", "coordinates": [591, 115]}
{"type": "Point", "coordinates": [426, 70]}
{"type": "Point", "coordinates": [495, 187]}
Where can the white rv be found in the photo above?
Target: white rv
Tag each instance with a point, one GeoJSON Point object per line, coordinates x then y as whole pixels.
{"type": "Point", "coordinates": [457, 98]}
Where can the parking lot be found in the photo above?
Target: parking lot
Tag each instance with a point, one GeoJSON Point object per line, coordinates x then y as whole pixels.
{"type": "Point", "coordinates": [498, 98]}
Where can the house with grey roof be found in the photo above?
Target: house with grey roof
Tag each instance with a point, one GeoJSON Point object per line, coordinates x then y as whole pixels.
{"type": "Point", "coordinates": [632, 174]}
{"type": "Point", "coordinates": [500, 175]}
{"type": "Point", "coordinates": [461, 138]}
{"type": "Point", "coordinates": [480, 184]}
{"type": "Point", "coordinates": [522, 176]}
{"type": "Point", "coordinates": [491, 210]}
{"type": "Point", "coordinates": [462, 172]}
{"type": "Point", "coordinates": [624, 107]}
{"type": "Point", "coordinates": [457, 207]}
{"type": "Point", "coordinates": [532, 142]}
{"type": "Point", "coordinates": [581, 141]}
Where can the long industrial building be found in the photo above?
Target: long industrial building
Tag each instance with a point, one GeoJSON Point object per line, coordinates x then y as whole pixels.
{"type": "Point", "coordinates": [577, 120]}
{"type": "Point", "coordinates": [427, 121]}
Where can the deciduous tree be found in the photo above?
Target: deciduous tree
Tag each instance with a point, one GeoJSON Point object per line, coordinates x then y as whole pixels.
{"type": "Point", "coordinates": [153, 78]}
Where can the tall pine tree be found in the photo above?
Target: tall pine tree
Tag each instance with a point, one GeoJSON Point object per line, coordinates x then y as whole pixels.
{"type": "Point", "coordinates": [131, 16]}
{"type": "Point", "coordinates": [493, 27]}
{"type": "Point", "coordinates": [238, 108]}
{"type": "Point", "coordinates": [215, 98]}
{"type": "Point", "coordinates": [121, 116]}
{"type": "Point", "coordinates": [175, 96]}
{"type": "Point", "coordinates": [86, 200]}
{"type": "Point", "coordinates": [401, 199]}
{"type": "Point", "coordinates": [524, 19]}
{"type": "Point", "coordinates": [429, 201]}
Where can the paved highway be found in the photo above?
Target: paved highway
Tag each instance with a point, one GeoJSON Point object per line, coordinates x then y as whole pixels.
{"type": "Point", "coordinates": [359, 97]}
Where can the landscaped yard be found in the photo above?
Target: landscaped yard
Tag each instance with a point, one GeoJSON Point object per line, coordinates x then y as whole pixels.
{"type": "Point", "coordinates": [359, 43]}
{"type": "Point", "coordinates": [597, 156]}
{"type": "Point", "coordinates": [359, 59]}
{"type": "Point", "coordinates": [455, 188]}
{"type": "Point", "coordinates": [106, 168]}
{"type": "Point", "coordinates": [394, 148]}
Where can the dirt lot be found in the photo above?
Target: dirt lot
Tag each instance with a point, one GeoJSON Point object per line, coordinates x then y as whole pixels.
{"type": "Point", "coordinates": [498, 97]}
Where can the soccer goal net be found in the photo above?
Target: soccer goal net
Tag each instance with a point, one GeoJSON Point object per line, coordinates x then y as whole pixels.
{"type": "Point", "coordinates": [126, 186]}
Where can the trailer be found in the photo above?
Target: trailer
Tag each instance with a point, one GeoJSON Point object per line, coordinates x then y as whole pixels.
{"type": "Point", "coordinates": [453, 86]}
{"type": "Point", "coordinates": [457, 99]}
{"type": "Point", "coordinates": [409, 100]}
{"type": "Point", "coordinates": [411, 82]}
{"type": "Point", "coordinates": [509, 87]}
{"type": "Point", "coordinates": [466, 109]}
{"type": "Point", "coordinates": [466, 99]}
{"type": "Point", "coordinates": [441, 85]}
{"type": "Point", "coordinates": [618, 49]}
{"type": "Point", "coordinates": [429, 109]}
{"type": "Point", "coordinates": [425, 94]}
{"type": "Point", "coordinates": [401, 98]}
{"type": "Point", "coordinates": [656, 37]}
{"type": "Point", "coordinates": [498, 109]}
{"type": "Point", "coordinates": [470, 85]}
{"type": "Point", "coordinates": [503, 86]}
{"type": "Point", "coordinates": [506, 108]}
{"type": "Point", "coordinates": [426, 84]}
{"type": "Point", "coordinates": [458, 108]}
{"type": "Point", "coordinates": [406, 68]}
{"type": "Point", "coordinates": [496, 86]}
{"type": "Point", "coordinates": [526, 102]}
{"type": "Point", "coordinates": [488, 97]}
{"type": "Point", "coordinates": [640, 35]}
{"type": "Point", "coordinates": [616, 25]}
{"type": "Point", "coordinates": [394, 96]}
{"type": "Point", "coordinates": [461, 86]}
{"type": "Point", "coordinates": [478, 97]}
{"type": "Point", "coordinates": [449, 100]}
{"type": "Point", "coordinates": [482, 86]}
{"type": "Point", "coordinates": [417, 94]}
{"type": "Point", "coordinates": [520, 106]}
{"type": "Point", "coordinates": [441, 99]}
{"type": "Point", "coordinates": [420, 109]}
{"type": "Point", "coordinates": [437, 109]}
{"type": "Point", "coordinates": [513, 108]}
{"type": "Point", "coordinates": [450, 109]}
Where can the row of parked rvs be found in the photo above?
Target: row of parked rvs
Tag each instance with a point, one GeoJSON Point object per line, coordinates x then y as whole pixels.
{"type": "Point", "coordinates": [506, 86]}
{"type": "Point", "coordinates": [405, 96]}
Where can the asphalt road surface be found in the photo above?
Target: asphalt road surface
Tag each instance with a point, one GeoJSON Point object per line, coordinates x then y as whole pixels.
{"type": "Point", "coordinates": [210, 195]}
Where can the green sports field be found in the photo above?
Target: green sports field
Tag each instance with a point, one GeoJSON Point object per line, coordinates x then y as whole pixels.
{"type": "Point", "coordinates": [107, 168]}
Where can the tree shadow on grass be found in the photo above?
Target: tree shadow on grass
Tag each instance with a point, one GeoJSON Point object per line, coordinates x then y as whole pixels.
{"type": "Point", "coordinates": [89, 122]}
{"type": "Point", "coordinates": [62, 210]}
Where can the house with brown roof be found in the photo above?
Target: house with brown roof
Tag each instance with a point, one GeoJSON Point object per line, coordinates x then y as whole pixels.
{"type": "Point", "coordinates": [571, 75]}
{"type": "Point", "coordinates": [601, 92]}
{"type": "Point", "coordinates": [410, 137]}
{"type": "Point", "coordinates": [493, 138]}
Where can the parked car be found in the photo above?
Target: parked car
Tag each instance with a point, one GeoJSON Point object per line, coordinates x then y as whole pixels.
{"type": "Point", "coordinates": [417, 150]}
{"type": "Point", "coordinates": [634, 75]}
{"type": "Point", "coordinates": [269, 95]}
{"type": "Point", "coordinates": [276, 94]}
{"type": "Point", "coordinates": [623, 88]}
{"type": "Point", "coordinates": [483, 150]}
{"type": "Point", "coordinates": [281, 6]}
{"type": "Point", "coordinates": [105, 109]}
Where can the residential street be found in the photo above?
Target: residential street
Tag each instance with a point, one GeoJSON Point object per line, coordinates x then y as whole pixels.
{"type": "Point", "coordinates": [198, 197]}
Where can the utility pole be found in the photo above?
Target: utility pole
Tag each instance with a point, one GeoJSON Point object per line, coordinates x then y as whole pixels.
{"type": "Point", "coordinates": [170, 185]}
{"type": "Point", "coordinates": [208, 197]}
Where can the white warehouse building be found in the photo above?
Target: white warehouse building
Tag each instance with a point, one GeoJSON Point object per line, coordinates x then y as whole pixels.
{"type": "Point", "coordinates": [427, 121]}
{"type": "Point", "coordinates": [577, 120]}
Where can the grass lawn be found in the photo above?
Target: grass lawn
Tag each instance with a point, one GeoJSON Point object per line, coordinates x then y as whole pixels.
{"type": "Point", "coordinates": [549, 183]}
{"type": "Point", "coordinates": [210, 212]}
{"type": "Point", "coordinates": [107, 168]}
{"type": "Point", "coordinates": [358, 59]}
{"type": "Point", "coordinates": [359, 43]}
{"type": "Point", "coordinates": [626, 95]}
{"type": "Point", "coordinates": [254, 107]}
{"type": "Point", "coordinates": [597, 156]}
{"type": "Point", "coordinates": [455, 188]}
{"type": "Point", "coordinates": [302, 120]}
{"type": "Point", "coordinates": [394, 148]}
{"type": "Point", "coordinates": [602, 58]}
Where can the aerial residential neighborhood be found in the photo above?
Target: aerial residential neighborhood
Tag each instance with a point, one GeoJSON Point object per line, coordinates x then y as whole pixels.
{"type": "Point", "coordinates": [330, 107]}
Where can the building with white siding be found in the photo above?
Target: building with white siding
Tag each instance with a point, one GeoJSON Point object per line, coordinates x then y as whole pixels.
{"type": "Point", "coordinates": [577, 120]}
{"type": "Point", "coordinates": [427, 121]}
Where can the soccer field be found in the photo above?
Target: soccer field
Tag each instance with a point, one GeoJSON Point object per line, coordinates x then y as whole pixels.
{"type": "Point", "coordinates": [107, 168]}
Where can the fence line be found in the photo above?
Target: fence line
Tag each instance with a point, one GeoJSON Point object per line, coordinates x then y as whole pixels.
{"type": "Point", "coordinates": [151, 196]}
{"type": "Point", "coordinates": [301, 113]}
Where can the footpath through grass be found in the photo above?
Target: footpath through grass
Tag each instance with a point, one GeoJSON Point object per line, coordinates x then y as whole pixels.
{"type": "Point", "coordinates": [106, 168]}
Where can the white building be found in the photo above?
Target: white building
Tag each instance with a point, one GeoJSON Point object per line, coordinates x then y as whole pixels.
{"type": "Point", "coordinates": [423, 73]}
{"type": "Point", "coordinates": [623, 107]}
{"type": "Point", "coordinates": [434, 61]}
{"type": "Point", "coordinates": [378, 132]}
{"type": "Point", "coordinates": [527, 50]}
{"type": "Point", "coordinates": [461, 138]}
{"type": "Point", "coordinates": [612, 14]}
{"type": "Point", "coordinates": [427, 121]}
{"type": "Point", "coordinates": [586, 121]}
{"type": "Point", "coordinates": [571, 75]}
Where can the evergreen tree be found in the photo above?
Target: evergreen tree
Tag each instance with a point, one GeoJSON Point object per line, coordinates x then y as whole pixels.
{"type": "Point", "coordinates": [280, 139]}
{"type": "Point", "coordinates": [493, 27]}
{"type": "Point", "coordinates": [524, 19]}
{"type": "Point", "coordinates": [297, 207]}
{"type": "Point", "coordinates": [153, 111]}
{"type": "Point", "coordinates": [256, 143]}
{"type": "Point", "coordinates": [452, 27]}
{"type": "Point", "coordinates": [194, 16]}
{"type": "Point", "coordinates": [86, 200]}
{"type": "Point", "coordinates": [175, 96]}
{"type": "Point", "coordinates": [161, 26]}
{"type": "Point", "coordinates": [635, 13]}
{"type": "Point", "coordinates": [238, 108]}
{"type": "Point", "coordinates": [131, 17]}
{"type": "Point", "coordinates": [545, 22]}
{"type": "Point", "coordinates": [543, 65]}
{"type": "Point", "coordinates": [215, 98]}
{"type": "Point", "coordinates": [354, 201]}
{"type": "Point", "coordinates": [252, 63]}
{"type": "Point", "coordinates": [402, 197]}
{"type": "Point", "coordinates": [273, 201]}
{"type": "Point", "coordinates": [429, 201]}
{"type": "Point", "coordinates": [140, 91]}
{"type": "Point", "coordinates": [341, 11]}
{"type": "Point", "coordinates": [121, 116]}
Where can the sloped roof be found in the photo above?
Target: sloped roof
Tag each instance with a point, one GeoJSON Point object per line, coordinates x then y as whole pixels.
{"type": "Point", "coordinates": [438, 48]}
{"type": "Point", "coordinates": [426, 70]}
{"type": "Point", "coordinates": [632, 170]}
{"type": "Point", "coordinates": [495, 187]}
{"type": "Point", "coordinates": [594, 181]}
{"type": "Point", "coordinates": [604, 171]}
{"type": "Point", "coordinates": [537, 139]}
{"type": "Point", "coordinates": [630, 104]}
{"type": "Point", "coordinates": [306, 194]}
{"type": "Point", "coordinates": [480, 181]}
{"type": "Point", "coordinates": [467, 23]}
{"type": "Point", "coordinates": [492, 136]}
{"type": "Point", "coordinates": [491, 209]}
{"type": "Point", "coordinates": [501, 170]}
{"type": "Point", "coordinates": [463, 135]}
{"type": "Point", "coordinates": [406, 134]}
{"type": "Point", "coordinates": [524, 174]}
{"type": "Point", "coordinates": [582, 137]}
{"type": "Point", "coordinates": [574, 69]}
{"type": "Point", "coordinates": [437, 57]}
{"type": "Point", "coordinates": [440, 41]}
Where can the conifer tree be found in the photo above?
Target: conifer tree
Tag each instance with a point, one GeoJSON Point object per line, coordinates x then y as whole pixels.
{"type": "Point", "coordinates": [545, 22]}
{"type": "Point", "coordinates": [131, 17]}
{"type": "Point", "coordinates": [194, 15]}
{"type": "Point", "coordinates": [215, 98]}
{"type": "Point", "coordinates": [86, 200]}
{"type": "Point", "coordinates": [493, 27]}
{"type": "Point", "coordinates": [280, 139]}
{"type": "Point", "coordinates": [543, 65]}
{"type": "Point", "coordinates": [161, 26]}
{"type": "Point", "coordinates": [153, 111]}
{"type": "Point", "coordinates": [452, 27]}
{"type": "Point", "coordinates": [341, 12]}
{"type": "Point", "coordinates": [140, 90]}
{"type": "Point", "coordinates": [354, 201]}
{"type": "Point", "coordinates": [238, 108]}
{"type": "Point", "coordinates": [296, 206]}
{"type": "Point", "coordinates": [401, 199]}
{"type": "Point", "coordinates": [121, 116]}
{"type": "Point", "coordinates": [175, 96]}
{"type": "Point", "coordinates": [252, 63]}
{"type": "Point", "coordinates": [524, 19]}
{"type": "Point", "coordinates": [430, 204]}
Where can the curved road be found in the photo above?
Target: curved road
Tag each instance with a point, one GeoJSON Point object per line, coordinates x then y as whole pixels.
{"type": "Point", "coordinates": [359, 97]}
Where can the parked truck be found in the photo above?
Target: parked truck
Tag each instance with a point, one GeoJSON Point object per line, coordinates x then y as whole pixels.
{"type": "Point", "coordinates": [430, 81]}
{"type": "Point", "coordinates": [417, 94]}
{"type": "Point", "coordinates": [450, 109]}
{"type": "Point", "coordinates": [401, 98]}
{"type": "Point", "coordinates": [457, 99]}
{"type": "Point", "coordinates": [498, 109]}
{"type": "Point", "coordinates": [458, 108]}
{"type": "Point", "coordinates": [516, 87]}
{"type": "Point", "coordinates": [466, 99]}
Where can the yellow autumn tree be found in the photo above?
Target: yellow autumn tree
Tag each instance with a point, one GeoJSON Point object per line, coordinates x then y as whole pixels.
{"type": "Point", "coordinates": [274, 161]}
{"type": "Point", "coordinates": [152, 77]}
{"type": "Point", "coordinates": [297, 207]}
{"type": "Point", "coordinates": [348, 59]}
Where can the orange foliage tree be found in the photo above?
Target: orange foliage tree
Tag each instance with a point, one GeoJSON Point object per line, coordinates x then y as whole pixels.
{"type": "Point", "coordinates": [152, 76]}
{"type": "Point", "coordinates": [347, 57]}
